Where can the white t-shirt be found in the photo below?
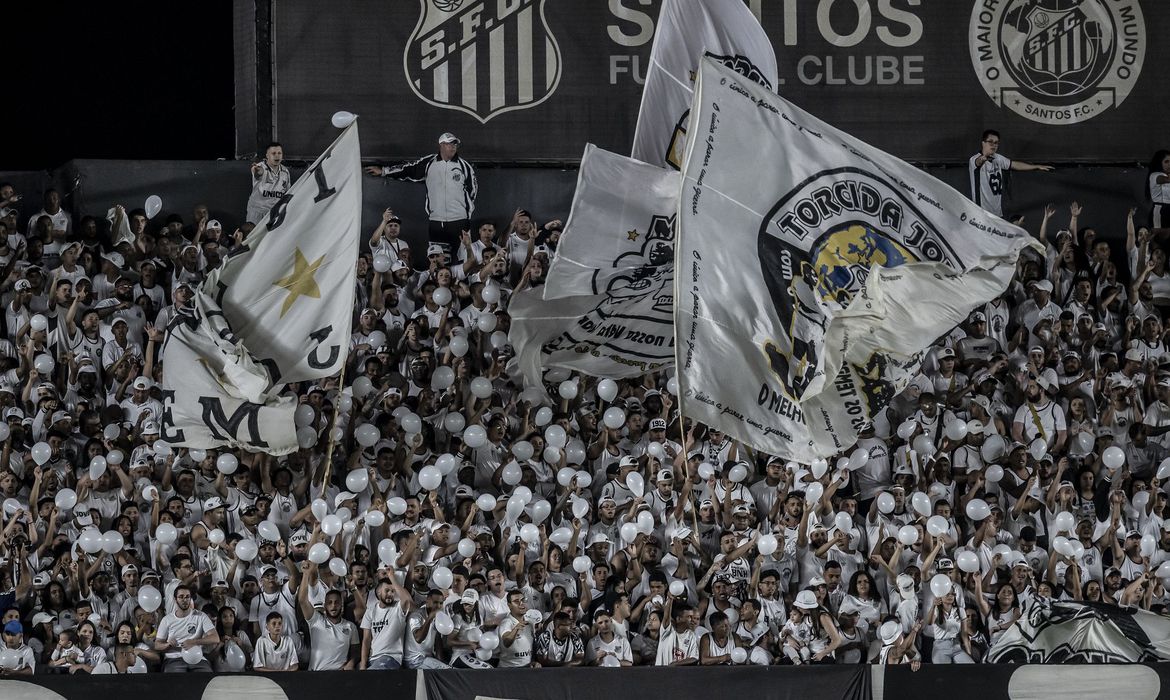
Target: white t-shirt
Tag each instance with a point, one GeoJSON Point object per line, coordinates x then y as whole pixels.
{"type": "Point", "coordinates": [387, 627]}
{"type": "Point", "coordinates": [279, 655]}
{"type": "Point", "coordinates": [987, 182]}
{"type": "Point", "coordinates": [330, 642]}
{"type": "Point", "coordinates": [520, 653]}
{"type": "Point", "coordinates": [674, 646]}
{"type": "Point", "coordinates": [176, 629]}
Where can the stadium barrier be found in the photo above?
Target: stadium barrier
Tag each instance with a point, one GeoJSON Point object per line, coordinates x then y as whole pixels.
{"type": "Point", "coordinates": [951, 682]}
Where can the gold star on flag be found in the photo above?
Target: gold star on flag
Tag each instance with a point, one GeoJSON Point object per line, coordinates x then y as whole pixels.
{"type": "Point", "coordinates": [632, 235]}
{"type": "Point", "coordinates": [300, 283]}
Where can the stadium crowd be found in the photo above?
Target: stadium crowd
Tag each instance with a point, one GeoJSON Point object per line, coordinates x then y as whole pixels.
{"type": "Point", "coordinates": [467, 520]}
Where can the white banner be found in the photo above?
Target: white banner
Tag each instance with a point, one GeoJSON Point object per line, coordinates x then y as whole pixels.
{"type": "Point", "coordinates": [607, 304]}
{"type": "Point", "coordinates": [618, 224]}
{"type": "Point", "coordinates": [289, 294]}
{"type": "Point", "coordinates": [199, 413]}
{"type": "Point", "coordinates": [813, 270]}
{"type": "Point", "coordinates": [686, 29]}
{"type": "Point", "coordinates": [277, 310]}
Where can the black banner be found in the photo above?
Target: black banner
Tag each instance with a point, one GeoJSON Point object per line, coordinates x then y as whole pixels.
{"type": "Point", "coordinates": [522, 80]}
{"type": "Point", "coordinates": [318, 685]}
{"type": "Point", "coordinates": [808, 683]}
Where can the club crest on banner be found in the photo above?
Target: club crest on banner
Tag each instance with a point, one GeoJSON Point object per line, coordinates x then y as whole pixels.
{"type": "Point", "coordinates": [482, 57]}
{"type": "Point", "coordinates": [1058, 61]}
{"type": "Point", "coordinates": [817, 247]}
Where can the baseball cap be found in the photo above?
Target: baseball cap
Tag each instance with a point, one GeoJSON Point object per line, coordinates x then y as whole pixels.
{"type": "Point", "coordinates": [219, 583]}
{"type": "Point", "coordinates": [470, 596]}
{"type": "Point", "coordinates": [598, 538]}
{"type": "Point", "coordinates": [212, 503]}
{"type": "Point", "coordinates": [434, 249]}
{"type": "Point", "coordinates": [213, 223]}
{"type": "Point", "coordinates": [41, 618]}
{"type": "Point", "coordinates": [806, 600]}
{"type": "Point", "coordinates": [464, 491]}
{"type": "Point", "coordinates": [978, 317]}
{"type": "Point", "coordinates": [342, 498]}
{"type": "Point", "coordinates": [142, 383]}
{"type": "Point", "coordinates": [129, 568]}
{"type": "Point", "coordinates": [267, 568]}
{"type": "Point", "coordinates": [658, 424]}
{"type": "Point", "coordinates": [150, 428]}
{"type": "Point", "coordinates": [816, 581]}
{"type": "Point", "coordinates": [115, 258]}
{"type": "Point", "coordinates": [398, 265]}
{"type": "Point", "coordinates": [905, 583]}
{"type": "Point", "coordinates": [448, 137]}
{"type": "Point", "coordinates": [628, 461]}
{"type": "Point", "coordinates": [1133, 355]}
{"type": "Point", "coordinates": [1044, 285]}
{"type": "Point", "coordinates": [665, 475]}
{"type": "Point", "coordinates": [890, 631]}
{"type": "Point", "coordinates": [945, 353]}
{"type": "Point", "coordinates": [297, 538]}
{"type": "Point", "coordinates": [14, 627]}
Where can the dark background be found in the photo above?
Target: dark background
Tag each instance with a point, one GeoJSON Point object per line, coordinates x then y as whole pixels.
{"type": "Point", "coordinates": [130, 80]}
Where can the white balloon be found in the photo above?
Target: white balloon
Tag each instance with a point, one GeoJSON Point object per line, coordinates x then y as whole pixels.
{"type": "Point", "coordinates": [584, 479]}
{"type": "Point", "coordinates": [529, 533]}
{"type": "Point", "coordinates": [582, 564]}
{"type": "Point", "coordinates": [246, 550]}
{"type": "Point", "coordinates": [677, 588]}
{"type": "Point", "coordinates": [319, 553]}
{"type": "Point", "coordinates": [956, 429]}
{"type": "Point", "coordinates": [967, 561]}
{"type": "Point", "coordinates": [268, 531]}
{"type": "Point", "coordinates": [941, 585]}
{"type": "Point", "coordinates": [65, 499]}
{"type": "Point", "coordinates": [908, 535]}
{"type": "Point", "coordinates": [628, 532]}
{"type": "Point", "coordinates": [490, 293]}
{"type": "Point", "coordinates": [331, 524]}
{"type": "Point", "coordinates": [921, 503]}
{"type": "Point", "coordinates": [486, 502]}
{"type": "Point", "coordinates": [454, 423]}
{"type": "Point", "coordinates": [357, 480]}
{"type": "Point", "coordinates": [459, 346]}
{"type": "Point", "coordinates": [112, 542]}
{"type": "Point", "coordinates": [523, 450]}
{"type": "Point", "coordinates": [977, 509]}
{"type": "Point", "coordinates": [382, 262]}
{"type": "Point", "coordinates": [446, 463]}
{"type": "Point", "coordinates": [304, 416]}
{"type": "Point", "coordinates": [607, 390]}
{"type": "Point", "coordinates": [375, 518]}
{"type": "Point", "coordinates": [444, 625]}
{"type": "Point", "coordinates": [342, 119]}
{"type": "Point", "coordinates": [442, 577]}
{"type": "Point", "coordinates": [338, 567]}
{"type": "Point", "coordinates": [475, 436]}
{"type": "Point", "coordinates": [767, 544]}
{"type": "Point", "coordinates": [41, 452]}
{"type": "Point", "coordinates": [44, 364]}
{"type": "Point", "coordinates": [149, 598]}
{"type": "Point", "coordinates": [153, 206]}
{"type": "Point", "coordinates": [442, 296]}
{"type": "Point", "coordinates": [738, 473]}
{"type": "Point", "coordinates": [486, 322]}
{"type": "Point", "coordinates": [993, 473]}
{"type": "Point", "coordinates": [166, 533]}
{"type": "Point", "coordinates": [613, 417]}
{"type": "Point", "coordinates": [511, 474]}
{"type": "Point", "coordinates": [556, 436]}
{"type": "Point", "coordinates": [362, 386]}
{"type": "Point", "coordinates": [552, 455]}
{"type": "Point", "coordinates": [442, 378]}
{"type": "Point", "coordinates": [481, 387]}
{"type": "Point", "coordinates": [367, 434]}
{"type": "Point", "coordinates": [193, 655]}
{"type": "Point", "coordinates": [885, 502]}
{"type": "Point", "coordinates": [565, 475]}
{"type": "Point", "coordinates": [396, 505]}
{"type": "Point", "coordinates": [466, 547]}
{"type": "Point", "coordinates": [672, 386]}
{"type": "Point", "coordinates": [429, 478]}
{"type": "Point", "coordinates": [215, 536]}
{"type": "Point", "coordinates": [818, 467]}
{"type": "Point", "coordinates": [636, 484]}
{"type": "Point", "coordinates": [540, 511]}
{"type": "Point", "coordinates": [937, 525]}
{"type": "Point", "coordinates": [544, 416]}
{"type": "Point", "coordinates": [1113, 457]}
{"type": "Point", "coordinates": [227, 463]}
{"type": "Point", "coordinates": [568, 389]}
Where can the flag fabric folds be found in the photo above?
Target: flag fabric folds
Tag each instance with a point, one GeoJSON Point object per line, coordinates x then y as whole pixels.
{"type": "Point", "coordinates": [725, 29]}
{"type": "Point", "coordinates": [277, 310]}
{"type": "Point", "coordinates": [813, 270]}
{"type": "Point", "coordinates": [606, 307]}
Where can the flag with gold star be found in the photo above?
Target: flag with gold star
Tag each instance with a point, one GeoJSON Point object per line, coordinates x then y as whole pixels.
{"type": "Point", "coordinates": [277, 310]}
{"type": "Point", "coordinates": [287, 296]}
{"type": "Point", "coordinates": [724, 29]}
{"type": "Point", "coordinates": [605, 308]}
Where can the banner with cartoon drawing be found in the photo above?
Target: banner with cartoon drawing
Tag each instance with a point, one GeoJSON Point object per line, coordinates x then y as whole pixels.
{"type": "Point", "coordinates": [606, 307]}
{"type": "Point", "coordinates": [813, 269]}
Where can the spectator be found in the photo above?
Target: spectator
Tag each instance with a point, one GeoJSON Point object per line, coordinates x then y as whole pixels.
{"type": "Point", "coordinates": [451, 190]}
{"type": "Point", "coordinates": [988, 170]}
{"type": "Point", "coordinates": [270, 180]}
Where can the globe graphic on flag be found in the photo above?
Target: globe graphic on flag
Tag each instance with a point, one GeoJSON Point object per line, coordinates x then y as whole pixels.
{"type": "Point", "coordinates": [842, 259]}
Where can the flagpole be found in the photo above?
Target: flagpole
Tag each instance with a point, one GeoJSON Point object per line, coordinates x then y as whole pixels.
{"type": "Point", "coordinates": [333, 429]}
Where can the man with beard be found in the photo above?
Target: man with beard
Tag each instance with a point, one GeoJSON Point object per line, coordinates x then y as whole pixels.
{"type": "Point", "coordinates": [181, 629]}
{"type": "Point", "coordinates": [384, 625]}
{"type": "Point", "coordinates": [1040, 417]}
{"type": "Point", "coordinates": [334, 642]}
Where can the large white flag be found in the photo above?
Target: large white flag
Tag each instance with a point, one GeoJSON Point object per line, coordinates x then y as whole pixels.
{"type": "Point", "coordinates": [289, 293]}
{"type": "Point", "coordinates": [198, 411]}
{"type": "Point", "coordinates": [686, 29]}
{"type": "Point", "coordinates": [606, 306]}
{"type": "Point", "coordinates": [277, 310]}
{"type": "Point", "coordinates": [813, 270]}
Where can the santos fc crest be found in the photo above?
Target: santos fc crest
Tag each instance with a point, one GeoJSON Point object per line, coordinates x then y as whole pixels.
{"type": "Point", "coordinates": [482, 57]}
{"type": "Point", "coordinates": [1058, 61]}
